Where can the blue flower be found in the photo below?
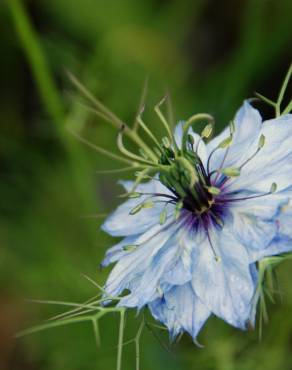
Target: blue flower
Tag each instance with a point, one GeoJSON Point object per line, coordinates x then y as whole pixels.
{"type": "Point", "coordinates": [193, 234]}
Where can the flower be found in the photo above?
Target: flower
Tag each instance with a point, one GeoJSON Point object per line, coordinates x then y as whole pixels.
{"type": "Point", "coordinates": [193, 234]}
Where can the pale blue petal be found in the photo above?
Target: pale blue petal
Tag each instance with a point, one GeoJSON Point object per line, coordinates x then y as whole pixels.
{"type": "Point", "coordinates": [162, 313]}
{"type": "Point", "coordinates": [157, 273]}
{"type": "Point", "coordinates": [282, 243]}
{"type": "Point", "coordinates": [284, 220]}
{"type": "Point", "coordinates": [253, 311]}
{"type": "Point", "coordinates": [278, 246]}
{"type": "Point", "coordinates": [253, 232]}
{"type": "Point", "coordinates": [116, 252]}
{"type": "Point", "coordinates": [273, 163]}
{"type": "Point", "coordinates": [147, 287]}
{"type": "Point", "coordinates": [265, 207]}
{"type": "Point", "coordinates": [191, 313]}
{"type": "Point", "coordinates": [225, 286]}
{"type": "Point", "coordinates": [248, 124]}
{"type": "Point", "coordinates": [121, 223]}
{"type": "Point", "coordinates": [180, 310]}
{"type": "Point", "coordinates": [180, 272]}
{"type": "Point", "coordinates": [133, 265]}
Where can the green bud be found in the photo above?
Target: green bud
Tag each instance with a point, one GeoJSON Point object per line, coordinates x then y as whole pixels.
{"type": "Point", "coordinates": [231, 171]}
{"type": "Point", "coordinates": [162, 217]}
{"type": "Point", "coordinates": [207, 131]}
{"type": "Point", "coordinates": [262, 141]}
{"type": "Point", "coordinates": [213, 190]}
{"type": "Point", "coordinates": [136, 209]}
{"type": "Point", "coordinates": [273, 188]}
{"type": "Point", "coordinates": [225, 143]}
{"type": "Point", "coordinates": [130, 247]}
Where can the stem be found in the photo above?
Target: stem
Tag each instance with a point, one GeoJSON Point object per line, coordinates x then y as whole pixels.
{"type": "Point", "coordinates": [137, 344]}
{"type": "Point", "coordinates": [282, 91]}
{"type": "Point", "coordinates": [40, 69]}
{"type": "Point", "coordinates": [96, 331]}
{"type": "Point", "coordinates": [120, 340]}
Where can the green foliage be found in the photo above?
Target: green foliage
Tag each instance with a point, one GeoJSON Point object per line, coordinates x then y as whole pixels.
{"type": "Point", "coordinates": [209, 58]}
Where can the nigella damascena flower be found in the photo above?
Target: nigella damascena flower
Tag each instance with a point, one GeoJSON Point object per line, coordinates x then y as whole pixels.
{"type": "Point", "coordinates": [193, 234]}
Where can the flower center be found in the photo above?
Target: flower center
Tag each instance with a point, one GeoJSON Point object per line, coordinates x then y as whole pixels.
{"type": "Point", "coordinates": [186, 178]}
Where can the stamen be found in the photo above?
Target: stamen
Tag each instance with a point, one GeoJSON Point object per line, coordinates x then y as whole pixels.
{"type": "Point", "coordinates": [141, 175]}
{"type": "Point", "coordinates": [207, 131]}
{"type": "Point", "coordinates": [193, 119]}
{"type": "Point", "coordinates": [260, 146]}
{"type": "Point", "coordinates": [209, 160]}
{"type": "Point", "coordinates": [222, 163]}
{"type": "Point", "coordinates": [273, 189]}
{"type": "Point", "coordinates": [152, 195]}
{"type": "Point", "coordinates": [163, 216]}
{"type": "Point", "coordinates": [217, 258]}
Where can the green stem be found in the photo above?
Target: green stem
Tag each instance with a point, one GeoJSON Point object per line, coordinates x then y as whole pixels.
{"type": "Point", "coordinates": [282, 91]}
{"type": "Point", "coordinates": [120, 340]}
{"type": "Point", "coordinates": [39, 66]}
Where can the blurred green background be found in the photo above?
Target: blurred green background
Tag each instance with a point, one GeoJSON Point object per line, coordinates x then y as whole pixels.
{"type": "Point", "coordinates": [210, 55]}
